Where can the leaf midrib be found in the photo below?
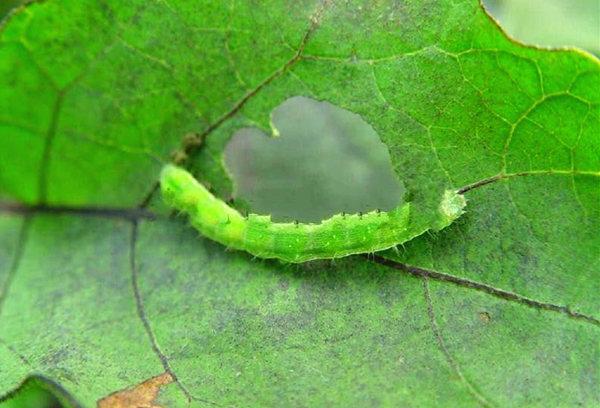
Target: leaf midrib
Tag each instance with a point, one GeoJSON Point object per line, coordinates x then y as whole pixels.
{"type": "Point", "coordinates": [136, 214]}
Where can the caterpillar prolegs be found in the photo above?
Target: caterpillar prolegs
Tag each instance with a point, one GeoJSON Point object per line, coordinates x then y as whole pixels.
{"type": "Point", "coordinates": [335, 237]}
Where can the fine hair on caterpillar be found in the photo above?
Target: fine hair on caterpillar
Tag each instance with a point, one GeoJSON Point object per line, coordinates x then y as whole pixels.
{"type": "Point", "coordinates": [338, 236]}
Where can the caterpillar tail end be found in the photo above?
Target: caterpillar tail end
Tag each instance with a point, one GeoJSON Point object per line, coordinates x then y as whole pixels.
{"type": "Point", "coordinates": [451, 207]}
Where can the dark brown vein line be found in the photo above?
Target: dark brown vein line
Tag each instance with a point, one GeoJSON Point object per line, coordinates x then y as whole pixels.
{"type": "Point", "coordinates": [146, 200]}
{"type": "Point", "coordinates": [442, 345]}
{"type": "Point", "coordinates": [142, 314]}
{"type": "Point", "coordinates": [20, 356]}
{"type": "Point", "coordinates": [506, 176]}
{"type": "Point", "coordinates": [53, 126]}
{"type": "Point", "coordinates": [50, 136]}
{"type": "Point", "coordinates": [189, 149]}
{"type": "Point", "coordinates": [315, 21]}
{"type": "Point", "coordinates": [106, 212]}
{"type": "Point", "coordinates": [146, 323]}
{"type": "Point", "coordinates": [490, 290]}
{"type": "Point", "coordinates": [479, 183]}
{"type": "Point", "coordinates": [14, 266]}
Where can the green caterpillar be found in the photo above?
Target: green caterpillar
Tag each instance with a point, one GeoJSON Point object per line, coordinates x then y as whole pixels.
{"type": "Point", "coordinates": [338, 236]}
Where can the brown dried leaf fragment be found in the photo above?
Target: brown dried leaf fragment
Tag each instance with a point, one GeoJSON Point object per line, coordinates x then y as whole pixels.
{"type": "Point", "coordinates": [140, 396]}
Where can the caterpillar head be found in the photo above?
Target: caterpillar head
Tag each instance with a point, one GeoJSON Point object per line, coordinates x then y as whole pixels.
{"type": "Point", "coordinates": [176, 187]}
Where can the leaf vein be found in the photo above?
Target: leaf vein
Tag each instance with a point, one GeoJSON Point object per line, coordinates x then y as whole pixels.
{"type": "Point", "coordinates": [190, 149]}
{"type": "Point", "coordinates": [444, 349]}
{"type": "Point", "coordinates": [146, 323]}
{"type": "Point", "coordinates": [489, 289]}
{"type": "Point", "coordinates": [18, 255]}
{"type": "Point", "coordinates": [142, 313]}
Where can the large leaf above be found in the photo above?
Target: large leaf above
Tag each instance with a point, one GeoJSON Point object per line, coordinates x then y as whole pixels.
{"type": "Point", "coordinates": [501, 309]}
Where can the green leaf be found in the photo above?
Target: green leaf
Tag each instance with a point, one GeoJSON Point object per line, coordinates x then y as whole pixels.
{"type": "Point", "coordinates": [99, 293]}
{"type": "Point", "coordinates": [8, 5]}
{"type": "Point", "coordinates": [36, 392]}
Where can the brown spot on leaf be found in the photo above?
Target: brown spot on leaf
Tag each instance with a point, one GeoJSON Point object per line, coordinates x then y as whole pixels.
{"type": "Point", "coordinates": [485, 317]}
{"type": "Point", "coordinates": [140, 396]}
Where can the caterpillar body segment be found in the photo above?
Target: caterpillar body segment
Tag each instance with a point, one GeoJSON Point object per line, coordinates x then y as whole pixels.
{"type": "Point", "coordinates": [335, 237]}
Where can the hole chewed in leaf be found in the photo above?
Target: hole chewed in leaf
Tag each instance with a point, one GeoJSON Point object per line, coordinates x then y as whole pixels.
{"type": "Point", "coordinates": [322, 160]}
{"type": "Point", "coordinates": [549, 23]}
{"type": "Point", "coordinates": [323, 187]}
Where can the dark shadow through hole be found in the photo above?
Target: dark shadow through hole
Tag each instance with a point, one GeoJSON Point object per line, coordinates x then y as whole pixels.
{"type": "Point", "coordinates": [550, 23]}
{"type": "Point", "coordinates": [321, 160]}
